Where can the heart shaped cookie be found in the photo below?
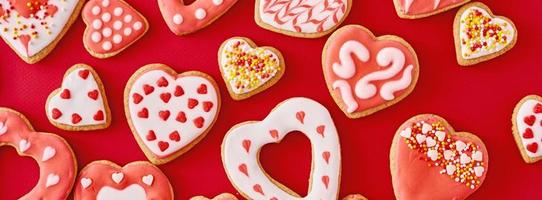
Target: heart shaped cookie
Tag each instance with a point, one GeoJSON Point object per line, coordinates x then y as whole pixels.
{"type": "Point", "coordinates": [248, 69]}
{"type": "Point", "coordinates": [242, 144]}
{"type": "Point", "coordinates": [137, 180]}
{"type": "Point", "coordinates": [301, 18]}
{"type": "Point", "coordinates": [414, 9]}
{"type": "Point", "coordinates": [481, 36]}
{"type": "Point", "coordinates": [112, 26]}
{"type": "Point", "coordinates": [527, 128]}
{"type": "Point", "coordinates": [169, 113]}
{"type": "Point", "coordinates": [54, 156]}
{"type": "Point", "coordinates": [184, 19]}
{"type": "Point", "coordinates": [32, 28]}
{"type": "Point", "coordinates": [80, 103]}
{"type": "Point", "coordinates": [224, 196]}
{"type": "Point", "coordinates": [364, 73]}
{"type": "Point", "coordinates": [452, 165]}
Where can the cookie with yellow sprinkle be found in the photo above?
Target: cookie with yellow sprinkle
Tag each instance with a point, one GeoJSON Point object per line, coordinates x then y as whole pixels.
{"type": "Point", "coordinates": [248, 69]}
{"type": "Point", "coordinates": [452, 165]}
{"type": "Point", "coordinates": [480, 36]}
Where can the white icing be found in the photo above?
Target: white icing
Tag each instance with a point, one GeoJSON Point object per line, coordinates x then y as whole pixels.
{"type": "Point", "coordinates": [3, 128]}
{"type": "Point", "coordinates": [178, 19]}
{"type": "Point", "coordinates": [407, 5]}
{"type": "Point", "coordinates": [407, 133]}
{"type": "Point", "coordinates": [106, 17]}
{"type": "Point", "coordinates": [426, 128]}
{"type": "Point", "coordinates": [188, 131]}
{"type": "Point", "coordinates": [118, 11]}
{"type": "Point", "coordinates": [432, 154]}
{"type": "Point", "coordinates": [137, 26]}
{"type": "Point", "coordinates": [96, 37]}
{"type": "Point", "coordinates": [148, 179]}
{"type": "Point", "coordinates": [117, 177]}
{"type": "Point", "coordinates": [127, 31]}
{"type": "Point", "coordinates": [218, 2]}
{"type": "Point", "coordinates": [52, 179]}
{"type": "Point", "coordinates": [24, 145]}
{"type": "Point", "coordinates": [107, 46]}
{"type": "Point", "coordinates": [85, 182]}
{"type": "Point", "coordinates": [448, 155]}
{"type": "Point", "coordinates": [58, 21]}
{"type": "Point", "coordinates": [346, 95]}
{"type": "Point", "coordinates": [283, 119]}
{"type": "Point", "coordinates": [450, 169]}
{"type": "Point", "coordinates": [106, 32]}
{"type": "Point", "coordinates": [346, 69]}
{"type": "Point", "coordinates": [525, 110]}
{"type": "Point", "coordinates": [97, 24]}
{"type": "Point", "coordinates": [48, 153]}
{"type": "Point", "coordinates": [117, 39]}
{"type": "Point", "coordinates": [96, 10]}
{"type": "Point", "coordinates": [200, 13]}
{"type": "Point", "coordinates": [440, 135]}
{"type": "Point", "coordinates": [128, 18]}
{"type": "Point", "coordinates": [431, 142]}
{"type": "Point", "coordinates": [420, 138]}
{"type": "Point", "coordinates": [132, 192]}
{"type": "Point", "coordinates": [117, 25]}
{"type": "Point", "coordinates": [464, 159]}
{"type": "Point", "coordinates": [105, 3]}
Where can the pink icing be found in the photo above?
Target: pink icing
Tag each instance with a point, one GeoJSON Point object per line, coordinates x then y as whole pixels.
{"type": "Point", "coordinates": [53, 155]}
{"type": "Point", "coordinates": [28, 11]}
{"type": "Point", "coordinates": [418, 7]}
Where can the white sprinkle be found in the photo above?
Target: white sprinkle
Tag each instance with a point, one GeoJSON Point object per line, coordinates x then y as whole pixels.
{"type": "Point", "coordinates": [106, 17]}
{"type": "Point", "coordinates": [96, 10]}
{"type": "Point", "coordinates": [200, 13]}
{"type": "Point", "coordinates": [138, 25]}
{"type": "Point", "coordinates": [117, 25]}
{"type": "Point", "coordinates": [107, 46]}
{"type": "Point", "coordinates": [118, 11]}
{"type": "Point", "coordinates": [178, 19]}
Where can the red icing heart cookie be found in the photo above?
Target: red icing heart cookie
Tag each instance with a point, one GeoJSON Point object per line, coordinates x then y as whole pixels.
{"type": "Point", "coordinates": [452, 165]}
{"type": "Point", "coordinates": [112, 26]}
{"type": "Point", "coordinates": [480, 36]}
{"type": "Point", "coordinates": [364, 73]}
{"type": "Point", "coordinates": [80, 103]}
{"type": "Point", "coordinates": [527, 128]}
{"type": "Point", "coordinates": [135, 181]}
{"type": "Point", "coordinates": [168, 112]}
{"type": "Point", "coordinates": [242, 144]}
{"type": "Point", "coordinates": [414, 9]}
{"type": "Point", "coordinates": [224, 196]}
{"type": "Point", "coordinates": [248, 69]}
{"type": "Point", "coordinates": [184, 19]}
{"type": "Point", "coordinates": [33, 31]}
{"type": "Point", "coordinates": [53, 154]}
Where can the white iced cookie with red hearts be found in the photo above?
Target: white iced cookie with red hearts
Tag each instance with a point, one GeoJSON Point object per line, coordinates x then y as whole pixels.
{"type": "Point", "coordinates": [105, 180]}
{"type": "Point", "coordinates": [480, 36]}
{"type": "Point", "coordinates": [169, 113]}
{"type": "Point", "coordinates": [527, 128]}
{"type": "Point", "coordinates": [112, 26]}
{"type": "Point", "coordinates": [224, 196]}
{"type": "Point", "coordinates": [80, 103]}
{"type": "Point", "coordinates": [248, 69]}
{"type": "Point", "coordinates": [301, 18]}
{"type": "Point", "coordinates": [414, 9]}
{"type": "Point", "coordinates": [54, 156]}
{"type": "Point", "coordinates": [32, 28]}
{"type": "Point", "coordinates": [242, 145]}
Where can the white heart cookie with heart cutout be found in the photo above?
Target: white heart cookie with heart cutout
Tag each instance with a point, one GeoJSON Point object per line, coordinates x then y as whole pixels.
{"type": "Point", "coordinates": [169, 112]}
{"type": "Point", "coordinates": [32, 28]}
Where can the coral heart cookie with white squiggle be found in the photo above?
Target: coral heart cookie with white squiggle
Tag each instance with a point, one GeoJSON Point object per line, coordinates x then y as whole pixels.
{"type": "Point", "coordinates": [54, 156]}
{"type": "Point", "coordinates": [452, 165]}
{"type": "Point", "coordinates": [80, 104]}
{"type": "Point", "coordinates": [224, 196]}
{"type": "Point", "coordinates": [414, 9]}
{"type": "Point", "coordinates": [302, 18]}
{"type": "Point", "coordinates": [242, 144]}
{"type": "Point", "coordinates": [169, 113]}
{"type": "Point", "coordinates": [106, 180]}
{"type": "Point", "coordinates": [248, 69]}
{"type": "Point", "coordinates": [183, 19]}
{"type": "Point", "coordinates": [32, 28]}
{"type": "Point", "coordinates": [364, 73]}
{"type": "Point", "coordinates": [112, 26]}
{"type": "Point", "coordinates": [527, 128]}
{"type": "Point", "coordinates": [480, 36]}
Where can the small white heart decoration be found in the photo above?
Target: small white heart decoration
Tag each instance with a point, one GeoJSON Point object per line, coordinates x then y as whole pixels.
{"type": "Point", "coordinates": [85, 182]}
{"type": "Point", "coordinates": [48, 153]}
{"type": "Point", "coordinates": [52, 179]}
{"type": "Point", "coordinates": [148, 179]}
{"type": "Point", "coordinates": [117, 177]}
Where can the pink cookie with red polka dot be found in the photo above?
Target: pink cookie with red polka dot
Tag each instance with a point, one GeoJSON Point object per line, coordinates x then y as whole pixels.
{"type": "Point", "coordinates": [169, 113]}
{"type": "Point", "coordinates": [527, 128]}
{"type": "Point", "coordinates": [183, 19]}
{"type": "Point", "coordinates": [80, 104]}
{"type": "Point", "coordinates": [112, 26]}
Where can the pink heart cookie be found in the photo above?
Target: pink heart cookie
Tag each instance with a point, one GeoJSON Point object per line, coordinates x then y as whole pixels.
{"type": "Point", "coordinates": [32, 28]}
{"type": "Point", "coordinates": [80, 103]}
{"type": "Point", "coordinates": [54, 156]}
{"type": "Point", "coordinates": [137, 180]}
{"type": "Point", "coordinates": [184, 19]}
{"type": "Point", "coordinates": [364, 73]}
{"type": "Point", "coordinates": [301, 18]}
{"type": "Point", "coordinates": [527, 128]}
{"type": "Point", "coordinates": [168, 112]}
{"type": "Point", "coordinates": [414, 9]}
{"type": "Point", "coordinates": [112, 26]}
{"type": "Point", "coordinates": [452, 165]}
{"type": "Point", "coordinates": [242, 144]}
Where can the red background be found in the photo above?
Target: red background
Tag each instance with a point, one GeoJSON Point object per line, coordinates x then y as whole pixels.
{"type": "Point", "coordinates": [479, 99]}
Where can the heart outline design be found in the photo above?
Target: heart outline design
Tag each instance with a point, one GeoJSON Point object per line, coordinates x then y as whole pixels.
{"type": "Point", "coordinates": [402, 14]}
{"type": "Point", "coordinates": [518, 134]}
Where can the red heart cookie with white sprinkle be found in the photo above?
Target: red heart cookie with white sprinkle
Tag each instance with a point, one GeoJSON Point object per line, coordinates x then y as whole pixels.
{"type": "Point", "coordinates": [32, 28]}
{"type": "Point", "coordinates": [106, 180]}
{"type": "Point", "coordinates": [80, 103]}
{"type": "Point", "coordinates": [242, 144]}
{"type": "Point", "coordinates": [112, 26]}
{"type": "Point", "coordinates": [302, 18]}
{"type": "Point", "coordinates": [54, 156]}
{"type": "Point", "coordinates": [364, 73]}
{"type": "Point", "coordinates": [480, 36]}
{"type": "Point", "coordinates": [248, 69]}
{"type": "Point", "coordinates": [414, 9]}
{"type": "Point", "coordinates": [168, 112]}
{"type": "Point", "coordinates": [184, 19]}
{"type": "Point", "coordinates": [452, 165]}
{"type": "Point", "coordinates": [224, 196]}
{"type": "Point", "coordinates": [527, 128]}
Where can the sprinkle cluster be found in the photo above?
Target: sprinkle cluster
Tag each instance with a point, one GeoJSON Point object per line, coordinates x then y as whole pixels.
{"type": "Point", "coordinates": [38, 10]}
{"type": "Point", "coordinates": [482, 33]}
{"type": "Point", "coordinates": [461, 161]}
{"type": "Point", "coordinates": [247, 68]}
